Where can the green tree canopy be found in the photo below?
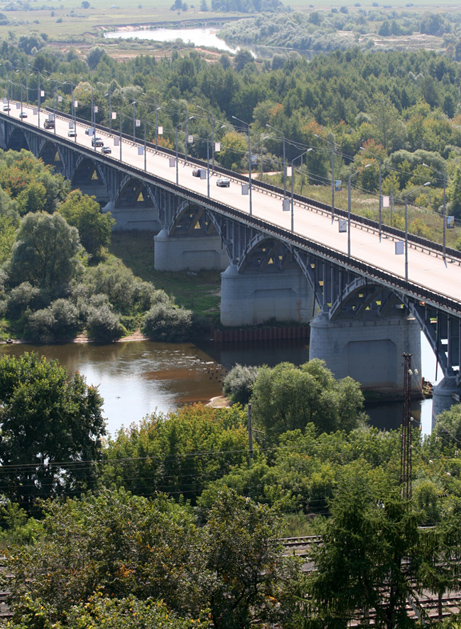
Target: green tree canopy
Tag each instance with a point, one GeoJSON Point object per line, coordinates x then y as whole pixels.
{"type": "Point", "coordinates": [179, 454]}
{"type": "Point", "coordinates": [288, 398]}
{"type": "Point", "coordinates": [366, 561]}
{"type": "Point", "coordinates": [51, 428]}
{"type": "Point", "coordinates": [44, 253]}
{"type": "Point", "coordinates": [94, 227]}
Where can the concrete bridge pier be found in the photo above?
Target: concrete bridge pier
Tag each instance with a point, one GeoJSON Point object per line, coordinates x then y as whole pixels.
{"type": "Point", "coordinates": [370, 351]}
{"type": "Point", "coordinates": [192, 253]}
{"type": "Point", "coordinates": [133, 218]}
{"type": "Point", "coordinates": [445, 395]}
{"type": "Point", "coordinates": [252, 298]}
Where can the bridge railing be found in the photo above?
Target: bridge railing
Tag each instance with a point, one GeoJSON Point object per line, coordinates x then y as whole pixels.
{"type": "Point", "coordinates": [398, 234]}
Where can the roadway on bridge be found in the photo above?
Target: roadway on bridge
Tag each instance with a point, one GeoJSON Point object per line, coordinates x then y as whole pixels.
{"type": "Point", "coordinates": [424, 268]}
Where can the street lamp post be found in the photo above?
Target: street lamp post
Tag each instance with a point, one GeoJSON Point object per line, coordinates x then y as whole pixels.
{"type": "Point", "coordinates": [145, 144]}
{"type": "Point", "coordinates": [332, 173]}
{"type": "Point", "coordinates": [444, 216]}
{"type": "Point", "coordinates": [55, 98]}
{"type": "Point", "coordinates": [39, 93]}
{"type": "Point", "coordinates": [109, 94]}
{"type": "Point", "coordinates": [134, 120]}
{"type": "Point", "coordinates": [249, 160]}
{"type": "Point", "coordinates": [156, 127]}
{"type": "Point", "coordinates": [380, 196]}
{"type": "Point", "coordinates": [428, 183]}
{"type": "Point", "coordinates": [284, 159]}
{"type": "Point", "coordinates": [292, 186]}
{"type": "Point", "coordinates": [93, 115]}
{"type": "Point", "coordinates": [212, 134]}
{"type": "Point", "coordinates": [177, 155]}
{"type": "Point", "coordinates": [349, 208]}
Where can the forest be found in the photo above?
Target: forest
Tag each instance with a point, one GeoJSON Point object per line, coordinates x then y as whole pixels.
{"type": "Point", "coordinates": [171, 523]}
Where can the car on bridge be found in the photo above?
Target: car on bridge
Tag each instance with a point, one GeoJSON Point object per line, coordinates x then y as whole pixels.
{"type": "Point", "coordinates": [223, 182]}
{"type": "Point", "coordinates": [196, 172]}
{"type": "Point", "coordinates": [97, 141]}
{"type": "Point", "coordinates": [72, 133]}
{"type": "Point", "coordinates": [106, 150]}
{"type": "Point", "coordinates": [48, 124]}
{"type": "Point", "coordinates": [23, 114]}
{"type": "Point", "coordinates": [6, 108]}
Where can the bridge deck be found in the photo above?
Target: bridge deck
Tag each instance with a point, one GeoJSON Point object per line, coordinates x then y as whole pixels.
{"type": "Point", "coordinates": [425, 268]}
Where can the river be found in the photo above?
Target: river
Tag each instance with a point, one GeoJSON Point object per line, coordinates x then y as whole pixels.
{"type": "Point", "coordinates": [139, 378]}
{"type": "Point", "coordinates": [203, 37]}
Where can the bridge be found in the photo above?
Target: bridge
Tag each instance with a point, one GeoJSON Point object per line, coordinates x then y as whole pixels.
{"type": "Point", "coordinates": [365, 304]}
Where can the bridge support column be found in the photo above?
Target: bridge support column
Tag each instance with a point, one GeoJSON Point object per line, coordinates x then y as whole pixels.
{"type": "Point", "coordinates": [368, 351]}
{"type": "Point", "coordinates": [254, 298]}
{"type": "Point", "coordinates": [133, 218]}
{"type": "Point", "coordinates": [445, 394]}
{"type": "Point", "coordinates": [194, 253]}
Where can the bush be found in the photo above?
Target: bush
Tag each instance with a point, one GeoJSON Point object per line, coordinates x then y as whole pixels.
{"type": "Point", "coordinates": [167, 323]}
{"type": "Point", "coordinates": [22, 297]}
{"type": "Point", "coordinates": [40, 326]}
{"type": "Point", "coordinates": [103, 326]}
{"type": "Point", "coordinates": [66, 319]}
{"type": "Point", "coordinates": [238, 384]}
{"type": "Point", "coordinates": [58, 322]}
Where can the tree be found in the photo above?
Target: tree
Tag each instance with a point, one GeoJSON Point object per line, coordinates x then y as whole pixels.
{"type": "Point", "coordinates": [385, 119]}
{"type": "Point", "coordinates": [113, 543]}
{"type": "Point", "coordinates": [233, 149]}
{"type": "Point", "coordinates": [44, 253]}
{"type": "Point", "coordinates": [178, 454]}
{"type": "Point", "coordinates": [288, 398]}
{"type": "Point", "coordinates": [94, 227]}
{"type": "Point", "coordinates": [454, 194]}
{"type": "Point", "coordinates": [51, 429]}
{"type": "Point", "coordinates": [366, 561]}
{"type": "Point", "coordinates": [94, 57]}
{"type": "Point", "coordinates": [239, 382]}
{"type": "Point", "coordinates": [243, 558]}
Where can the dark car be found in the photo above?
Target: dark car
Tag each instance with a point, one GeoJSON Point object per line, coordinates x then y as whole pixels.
{"type": "Point", "coordinates": [196, 172]}
{"type": "Point", "coordinates": [223, 182]}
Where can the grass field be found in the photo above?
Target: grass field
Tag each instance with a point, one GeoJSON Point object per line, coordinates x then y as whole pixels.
{"type": "Point", "coordinates": [198, 291]}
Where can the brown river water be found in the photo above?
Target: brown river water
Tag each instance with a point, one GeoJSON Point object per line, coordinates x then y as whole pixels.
{"type": "Point", "coordinates": [142, 377]}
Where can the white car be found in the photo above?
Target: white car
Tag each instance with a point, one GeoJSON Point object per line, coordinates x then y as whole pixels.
{"type": "Point", "coordinates": [6, 108]}
{"type": "Point", "coordinates": [72, 133]}
{"type": "Point", "coordinates": [23, 114]}
{"type": "Point", "coordinates": [223, 182]}
{"type": "Point", "coordinates": [106, 150]}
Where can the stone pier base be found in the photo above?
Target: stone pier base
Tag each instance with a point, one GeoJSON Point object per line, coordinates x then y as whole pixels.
{"type": "Point", "coordinates": [254, 298]}
{"type": "Point", "coordinates": [196, 253]}
{"type": "Point", "coordinates": [368, 351]}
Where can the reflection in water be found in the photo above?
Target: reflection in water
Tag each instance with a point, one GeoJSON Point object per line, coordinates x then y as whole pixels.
{"type": "Point", "coordinates": [138, 378]}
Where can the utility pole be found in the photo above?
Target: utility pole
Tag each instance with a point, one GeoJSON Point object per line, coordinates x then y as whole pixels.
{"type": "Point", "coordinates": [250, 437]}
{"type": "Point", "coordinates": [405, 443]}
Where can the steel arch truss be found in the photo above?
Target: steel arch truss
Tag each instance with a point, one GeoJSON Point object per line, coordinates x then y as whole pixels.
{"type": "Point", "coordinates": [134, 192]}
{"type": "Point", "coordinates": [17, 140]}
